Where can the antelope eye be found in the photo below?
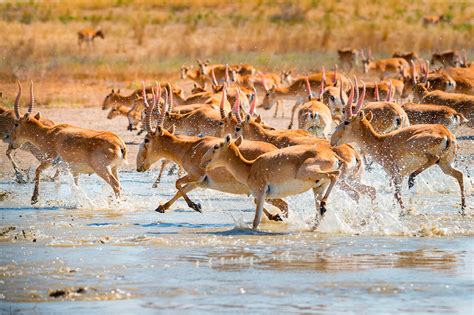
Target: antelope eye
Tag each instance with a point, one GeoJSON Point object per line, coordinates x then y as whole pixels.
{"type": "Point", "coordinates": [16, 124]}
{"type": "Point", "coordinates": [216, 146]}
{"type": "Point", "coordinates": [147, 140]}
{"type": "Point", "coordinates": [346, 122]}
{"type": "Point", "coordinates": [237, 128]}
{"type": "Point", "coordinates": [332, 98]}
{"type": "Point", "coordinates": [221, 123]}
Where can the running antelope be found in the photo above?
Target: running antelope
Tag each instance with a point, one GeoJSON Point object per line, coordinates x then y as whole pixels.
{"type": "Point", "coordinates": [279, 173]}
{"type": "Point", "coordinates": [448, 58]}
{"type": "Point", "coordinates": [187, 152]}
{"type": "Point", "coordinates": [347, 58]}
{"type": "Point", "coordinates": [404, 152]}
{"type": "Point", "coordinates": [7, 123]}
{"type": "Point", "coordinates": [434, 114]}
{"type": "Point", "coordinates": [390, 67]}
{"type": "Point", "coordinates": [351, 167]}
{"type": "Point", "coordinates": [438, 80]}
{"type": "Point", "coordinates": [87, 35]}
{"type": "Point", "coordinates": [83, 150]}
{"type": "Point", "coordinates": [461, 103]}
{"type": "Point", "coordinates": [464, 78]}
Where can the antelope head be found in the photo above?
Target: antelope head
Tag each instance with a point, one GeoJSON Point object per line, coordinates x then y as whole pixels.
{"type": "Point", "coordinates": [111, 99]}
{"type": "Point", "coordinates": [217, 155]}
{"type": "Point", "coordinates": [152, 148]}
{"type": "Point", "coordinates": [21, 125]}
{"type": "Point", "coordinates": [349, 130]}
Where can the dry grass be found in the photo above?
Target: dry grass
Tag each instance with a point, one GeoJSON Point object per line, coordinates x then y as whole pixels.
{"type": "Point", "coordinates": [152, 39]}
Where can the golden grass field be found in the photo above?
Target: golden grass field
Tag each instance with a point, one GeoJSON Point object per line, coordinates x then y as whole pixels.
{"type": "Point", "coordinates": [151, 39]}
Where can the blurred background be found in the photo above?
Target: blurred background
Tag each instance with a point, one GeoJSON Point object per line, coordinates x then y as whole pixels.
{"type": "Point", "coordinates": [152, 39]}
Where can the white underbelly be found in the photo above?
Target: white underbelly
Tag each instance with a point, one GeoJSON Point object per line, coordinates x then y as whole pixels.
{"type": "Point", "coordinates": [289, 188]}
{"type": "Point", "coordinates": [231, 187]}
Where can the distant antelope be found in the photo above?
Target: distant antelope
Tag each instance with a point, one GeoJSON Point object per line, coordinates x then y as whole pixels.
{"type": "Point", "coordinates": [434, 19]}
{"type": "Point", "coordinates": [347, 58]}
{"type": "Point", "coordinates": [448, 58]}
{"type": "Point", "coordinates": [83, 150]}
{"type": "Point", "coordinates": [194, 75]}
{"type": "Point", "coordinates": [7, 123]}
{"type": "Point", "coordinates": [434, 114]}
{"type": "Point", "coordinates": [408, 56]}
{"type": "Point", "coordinates": [87, 35]}
{"type": "Point", "coordinates": [395, 67]}
{"type": "Point", "coordinates": [438, 80]}
{"type": "Point", "coordinates": [300, 168]}
{"type": "Point", "coordinates": [404, 152]}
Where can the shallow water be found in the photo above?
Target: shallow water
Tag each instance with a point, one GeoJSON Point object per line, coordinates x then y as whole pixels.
{"type": "Point", "coordinates": [95, 254]}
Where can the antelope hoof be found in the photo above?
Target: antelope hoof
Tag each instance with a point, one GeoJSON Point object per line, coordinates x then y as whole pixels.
{"type": "Point", "coordinates": [196, 207]}
{"type": "Point", "coordinates": [155, 185]}
{"type": "Point", "coordinates": [160, 209]}
{"type": "Point", "coordinates": [34, 200]}
{"type": "Point", "coordinates": [20, 179]}
{"type": "Point", "coordinates": [462, 212]}
{"type": "Point", "coordinates": [322, 209]}
{"type": "Point", "coordinates": [275, 217]}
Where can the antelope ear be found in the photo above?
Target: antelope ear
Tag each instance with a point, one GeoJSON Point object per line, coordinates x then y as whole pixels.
{"type": "Point", "coordinates": [159, 130]}
{"type": "Point", "coordinates": [239, 141]}
{"type": "Point", "coordinates": [38, 116]}
{"type": "Point", "coordinates": [172, 129]}
{"type": "Point", "coordinates": [113, 91]}
{"type": "Point", "coordinates": [227, 139]}
{"type": "Point", "coordinates": [258, 119]}
{"type": "Point", "coordinates": [247, 119]}
{"type": "Point", "coordinates": [118, 91]}
{"type": "Point", "coordinates": [369, 116]}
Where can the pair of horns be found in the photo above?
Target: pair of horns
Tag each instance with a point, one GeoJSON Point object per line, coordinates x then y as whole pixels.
{"type": "Point", "coordinates": [16, 105]}
{"type": "Point", "coordinates": [156, 96]}
{"type": "Point", "coordinates": [360, 100]}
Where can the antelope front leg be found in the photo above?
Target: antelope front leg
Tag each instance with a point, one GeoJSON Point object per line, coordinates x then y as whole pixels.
{"type": "Point", "coordinates": [397, 183]}
{"type": "Point", "coordinates": [44, 165]}
{"type": "Point", "coordinates": [19, 176]}
{"type": "Point", "coordinates": [260, 200]}
{"type": "Point", "coordinates": [162, 168]}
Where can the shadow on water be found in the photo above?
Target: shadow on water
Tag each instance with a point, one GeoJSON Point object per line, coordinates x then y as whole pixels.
{"type": "Point", "coordinates": [33, 209]}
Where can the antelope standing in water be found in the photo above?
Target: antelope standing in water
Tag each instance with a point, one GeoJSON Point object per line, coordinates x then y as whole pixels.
{"type": "Point", "coordinates": [87, 35]}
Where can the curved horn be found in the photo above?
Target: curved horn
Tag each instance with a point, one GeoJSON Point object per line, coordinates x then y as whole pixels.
{"type": "Point", "coordinates": [389, 94]}
{"type": "Point", "coordinates": [264, 83]}
{"type": "Point", "coordinates": [323, 82]}
{"type": "Point", "coordinates": [236, 108]}
{"type": "Point", "coordinates": [348, 109]}
{"type": "Point", "coordinates": [360, 101]}
{"type": "Point", "coordinates": [253, 103]}
{"type": "Point", "coordinates": [224, 97]}
{"type": "Point", "coordinates": [376, 93]}
{"type": "Point", "coordinates": [227, 73]}
{"type": "Point", "coordinates": [148, 112]}
{"type": "Point", "coordinates": [145, 101]}
{"type": "Point", "coordinates": [170, 104]}
{"type": "Point", "coordinates": [158, 95]}
{"type": "Point", "coordinates": [164, 109]}
{"type": "Point", "coordinates": [308, 87]}
{"type": "Point", "coordinates": [16, 106]}
{"type": "Point", "coordinates": [32, 98]}
{"type": "Point", "coordinates": [413, 72]}
{"type": "Point", "coordinates": [340, 92]}
{"type": "Point", "coordinates": [356, 89]}
{"type": "Point", "coordinates": [426, 69]}
{"type": "Point", "coordinates": [335, 73]}
{"type": "Point", "coordinates": [213, 74]}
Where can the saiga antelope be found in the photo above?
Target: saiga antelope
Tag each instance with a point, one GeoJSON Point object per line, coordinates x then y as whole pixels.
{"type": "Point", "coordinates": [397, 67]}
{"type": "Point", "coordinates": [347, 58]}
{"type": "Point", "coordinates": [7, 122]}
{"type": "Point", "coordinates": [404, 152]}
{"type": "Point", "coordinates": [85, 151]}
{"type": "Point", "coordinates": [187, 151]}
{"type": "Point", "coordinates": [434, 114]}
{"type": "Point", "coordinates": [448, 58]}
{"type": "Point", "coordinates": [279, 173]}
{"type": "Point", "coordinates": [87, 35]}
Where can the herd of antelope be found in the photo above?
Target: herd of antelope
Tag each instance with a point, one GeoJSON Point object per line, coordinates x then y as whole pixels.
{"type": "Point", "coordinates": [405, 121]}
